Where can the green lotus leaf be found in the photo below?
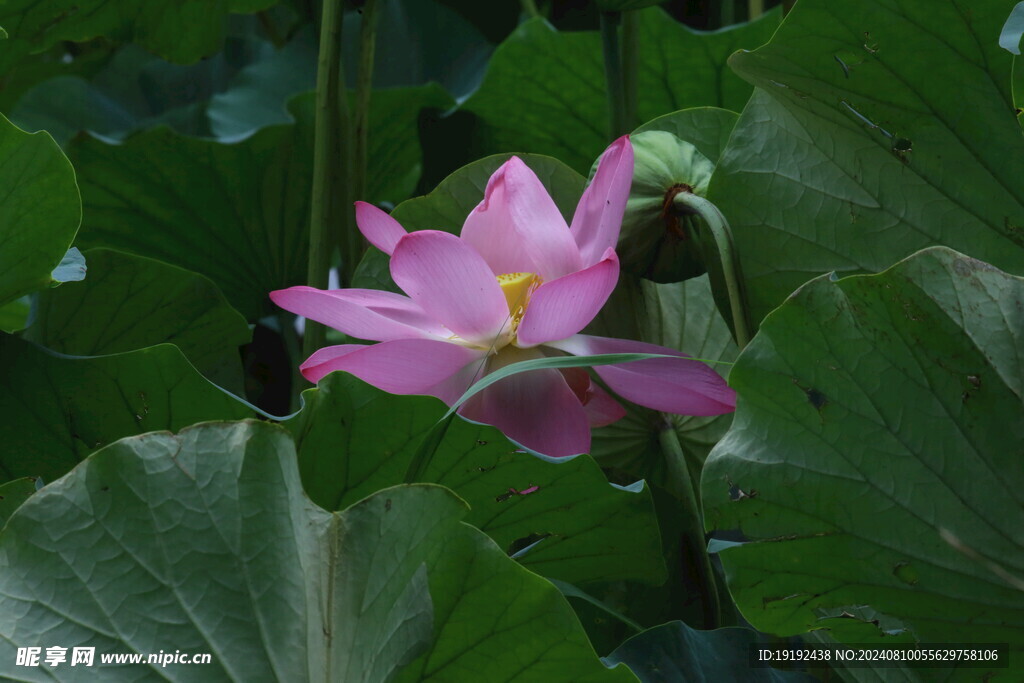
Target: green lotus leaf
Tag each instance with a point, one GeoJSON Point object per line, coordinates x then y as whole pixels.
{"type": "Point", "coordinates": [57, 409]}
{"type": "Point", "coordinates": [203, 542]}
{"type": "Point", "coordinates": [854, 153]}
{"type": "Point", "coordinates": [206, 206]}
{"type": "Point", "coordinates": [874, 458]}
{"type": "Point", "coordinates": [129, 303]}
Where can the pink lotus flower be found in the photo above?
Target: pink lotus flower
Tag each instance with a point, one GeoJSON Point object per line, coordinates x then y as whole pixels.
{"type": "Point", "coordinates": [517, 284]}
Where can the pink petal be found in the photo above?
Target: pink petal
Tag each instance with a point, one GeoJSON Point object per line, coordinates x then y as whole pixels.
{"type": "Point", "coordinates": [452, 283]}
{"type": "Point", "coordinates": [402, 366]}
{"type": "Point", "coordinates": [561, 308]}
{"type": "Point", "coordinates": [601, 409]}
{"type": "Point", "coordinates": [598, 217]}
{"type": "Point", "coordinates": [536, 409]}
{"type": "Point", "coordinates": [379, 229]}
{"type": "Point", "coordinates": [681, 386]}
{"type": "Point", "coordinates": [518, 229]}
{"type": "Point", "coordinates": [362, 313]}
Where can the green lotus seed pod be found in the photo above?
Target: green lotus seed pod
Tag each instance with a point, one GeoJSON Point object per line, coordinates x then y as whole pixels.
{"type": "Point", "coordinates": [657, 241]}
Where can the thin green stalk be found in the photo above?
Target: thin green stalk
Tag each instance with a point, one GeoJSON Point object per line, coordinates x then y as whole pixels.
{"type": "Point", "coordinates": [330, 170]}
{"type": "Point", "coordinates": [630, 66]}
{"type": "Point", "coordinates": [613, 74]}
{"type": "Point", "coordinates": [682, 486]}
{"type": "Point", "coordinates": [755, 8]}
{"type": "Point", "coordinates": [529, 8]}
{"type": "Point", "coordinates": [722, 234]}
{"type": "Point", "coordinates": [353, 246]}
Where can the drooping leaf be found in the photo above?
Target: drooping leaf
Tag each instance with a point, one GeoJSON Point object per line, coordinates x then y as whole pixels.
{"type": "Point", "coordinates": [129, 303]}
{"type": "Point", "coordinates": [205, 540]}
{"type": "Point", "coordinates": [59, 409]}
{"type": "Point", "coordinates": [551, 362]}
{"type": "Point", "coordinates": [544, 90]}
{"type": "Point", "coordinates": [354, 439]}
{"type": "Point", "coordinates": [854, 154]}
{"type": "Point", "coordinates": [181, 31]}
{"type": "Point", "coordinates": [676, 652]}
{"type": "Point", "coordinates": [237, 214]}
{"type": "Point", "coordinates": [39, 211]}
{"type": "Point", "coordinates": [447, 206]}
{"type": "Point", "coordinates": [879, 417]}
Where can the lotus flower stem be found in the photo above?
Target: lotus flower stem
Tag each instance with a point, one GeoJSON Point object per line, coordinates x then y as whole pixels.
{"type": "Point", "coordinates": [722, 235]}
{"type": "Point", "coordinates": [330, 165]}
{"type": "Point", "coordinates": [613, 74]}
{"type": "Point", "coordinates": [682, 486]}
{"type": "Point", "coordinates": [353, 245]}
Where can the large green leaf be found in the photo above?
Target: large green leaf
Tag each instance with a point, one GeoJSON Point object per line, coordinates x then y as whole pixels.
{"type": "Point", "coordinates": [676, 652]}
{"type": "Point", "coordinates": [237, 214]}
{"type": "Point", "coordinates": [204, 541]}
{"type": "Point", "coordinates": [874, 460]}
{"type": "Point", "coordinates": [128, 303]}
{"type": "Point", "coordinates": [856, 153]}
{"type": "Point", "coordinates": [354, 439]}
{"type": "Point", "coordinates": [180, 30]}
{"type": "Point", "coordinates": [447, 206]}
{"type": "Point", "coordinates": [544, 90]}
{"type": "Point", "coordinates": [39, 211]}
{"type": "Point", "coordinates": [58, 409]}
